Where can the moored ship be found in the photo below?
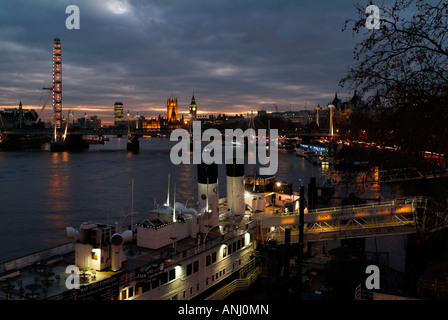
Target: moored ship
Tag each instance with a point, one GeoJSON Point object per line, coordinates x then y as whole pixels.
{"type": "Point", "coordinates": [175, 252]}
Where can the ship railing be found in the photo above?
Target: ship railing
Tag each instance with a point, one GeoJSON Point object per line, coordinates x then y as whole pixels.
{"type": "Point", "coordinates": [31, 259]}
{"type": "Point", "coordinates": [361, 294]}
{"type": "Point", "coordinates": [395, 202]}
{"type": "Point", "coordinates": [248, 227]}
{"type": "Point", "coordinates": [235, 285]}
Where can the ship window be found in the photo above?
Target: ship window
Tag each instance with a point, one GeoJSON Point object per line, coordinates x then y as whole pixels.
{"type": "Point", "coordinates": [206, 281]}
{"type": "Point", "coordinates": [189, 269]}
{"type": "Point", "coordinates": [208, 260]}
{"type": "Point", "coordinates": [213, 278]}
{"type": "Point", "coordinates": [155, 282]}
{"type": "Point", "coordinates": [197, 286]}
{"type": "Point", "coordinates": [164, 278]}
{"type": "Point", "coordinates": [123, 294]}
{"type": "Point", "coordinates": [94, 255]}
{"type": "Point", "coordinates": [131, 292]}
{"type": "Point", "coordinates": [234, 247]}
{"type": "Point", "coordinates": [213, 257]}
{"type": "Point", "coordinates": [242, 242]}
{"type": "Point", "coordinates": [191, 290]}
{"type": "Point", "coordinates": [229, 248]}
{"type": "Point", "coordinates": [184, 294]}
{"type": "Point", "coordinates": [224, 252]}
{"type": "Point", "coordinates": [196, 266]}
{"type": "Point", "coordinates": [172, 274]}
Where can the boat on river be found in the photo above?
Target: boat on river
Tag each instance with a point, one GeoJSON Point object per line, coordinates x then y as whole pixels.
{"type": "Point", "coordinates": [173, 252]}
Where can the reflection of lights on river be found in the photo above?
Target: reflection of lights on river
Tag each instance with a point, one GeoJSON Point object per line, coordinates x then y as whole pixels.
{"type": "Point", "coordinates": [57, 188]}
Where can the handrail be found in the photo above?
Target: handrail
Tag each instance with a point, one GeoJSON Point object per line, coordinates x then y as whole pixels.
{"type": "Point", "coordinates": [391, 203]}
{"type": "Point", "coordinates": [235, 285]}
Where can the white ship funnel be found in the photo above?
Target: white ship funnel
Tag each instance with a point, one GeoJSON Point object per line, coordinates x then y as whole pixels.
{"type": "Point", "coordinates": [117, 254]}
{"type": "Point", "coordinates": [235, 187]}
{"type": "Point", "coordinates": [208, 196]}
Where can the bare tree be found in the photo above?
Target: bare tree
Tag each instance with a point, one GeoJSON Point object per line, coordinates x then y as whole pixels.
{"type": "Point", "coordinates": [406, 60]}
{"type": "Point", "coordinates": [407, 57]}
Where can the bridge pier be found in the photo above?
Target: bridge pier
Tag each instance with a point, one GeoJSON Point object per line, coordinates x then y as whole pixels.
{"type": "Point", "coordinates": [133, 144]}
{"type": "Point", "coordinates": [73, 142]}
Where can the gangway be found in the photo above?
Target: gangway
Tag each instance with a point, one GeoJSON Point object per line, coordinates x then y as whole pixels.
{"type": "Point", "coordinates": [398, 216]}
{"type": "Point", "coordinates": [391, 176]}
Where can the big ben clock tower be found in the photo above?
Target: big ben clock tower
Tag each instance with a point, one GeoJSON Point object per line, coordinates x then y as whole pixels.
{"type": "Point", "coordinates": [193, 108]}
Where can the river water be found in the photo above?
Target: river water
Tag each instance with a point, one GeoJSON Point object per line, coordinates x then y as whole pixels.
{"type": "Point", "coordinates": [42, 192]}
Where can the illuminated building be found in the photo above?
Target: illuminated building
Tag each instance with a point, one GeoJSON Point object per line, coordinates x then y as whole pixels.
{"type": "Point", "coordinates": [118, 112]}
{"type": "Point", "coordinates": [171, 106]}
{"type": "Point", "coordinates": [57, 83]}
{"type": "Point", "coordinates": [193, 109]}
{"type": "Point", "coordinates": [17, 117]}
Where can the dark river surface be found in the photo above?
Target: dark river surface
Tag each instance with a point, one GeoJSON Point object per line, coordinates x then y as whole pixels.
{"type": "Point", "coordinates": [42, 192]}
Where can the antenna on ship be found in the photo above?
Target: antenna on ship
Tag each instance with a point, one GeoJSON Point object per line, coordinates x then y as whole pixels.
{"type": "Point", "coordinates": [132, 203]}
{"type": "Point", "coordinates": [168, 196]}
{"type": "Point", "coordinates": [174, 206]}
{"type": "Point", "coordinates": [206, 199]}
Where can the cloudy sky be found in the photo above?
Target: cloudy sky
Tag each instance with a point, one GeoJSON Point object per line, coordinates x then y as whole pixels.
{"type": "Point", "coordinates": [234, 55]}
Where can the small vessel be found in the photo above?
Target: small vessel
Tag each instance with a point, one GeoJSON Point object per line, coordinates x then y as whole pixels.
{"type": "Point", "coordinates": [300, 152]}
{"type": "Point", "coordinates": [94, 139]}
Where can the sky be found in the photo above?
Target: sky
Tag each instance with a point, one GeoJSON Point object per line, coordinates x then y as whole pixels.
{"type": "Point", "coordinates": [234, 55]}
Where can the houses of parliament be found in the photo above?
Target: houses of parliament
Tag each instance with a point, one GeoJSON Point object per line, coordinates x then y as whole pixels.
{"type": "Point", "coordinates": [171, 121]}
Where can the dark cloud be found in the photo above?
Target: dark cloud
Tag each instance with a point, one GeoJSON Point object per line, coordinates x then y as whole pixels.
{"type": "Point", "coordinates": [234, 55]}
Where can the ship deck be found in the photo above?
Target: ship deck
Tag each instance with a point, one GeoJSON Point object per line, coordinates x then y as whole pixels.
{"type": "Point", "coordinates": [43, 275]}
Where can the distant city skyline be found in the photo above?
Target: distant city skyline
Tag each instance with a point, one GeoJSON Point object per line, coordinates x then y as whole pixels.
{"type": "Point", "coordinates": [234, 56]}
